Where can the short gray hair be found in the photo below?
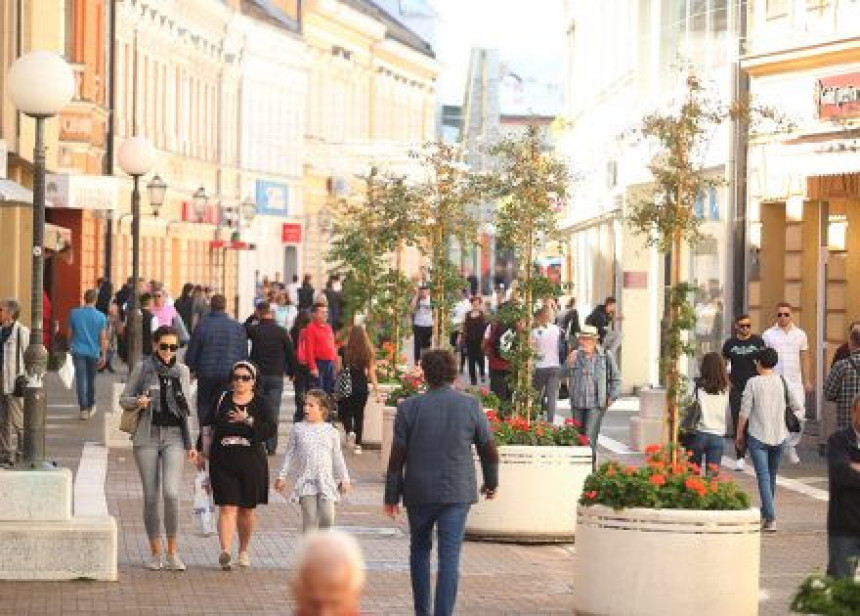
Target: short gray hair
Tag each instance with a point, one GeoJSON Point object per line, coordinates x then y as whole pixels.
{"type": "Point", "coordinates": [12, 306]}
{"type": "Point", "coordinates": [325, 550]}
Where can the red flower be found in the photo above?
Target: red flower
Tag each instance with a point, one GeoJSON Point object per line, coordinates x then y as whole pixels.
{"type": "Point", "coordinates": [570, 421]}
{"type": "Point", "coordinates": [714, 468]}
{"type": "Point", "coordinates": [583, 440]}
{"type": "Point", "coordinates": [485, 391]}
{"type": "Point", "coordinates": [653, 449]}
{"type": "Point", "coordinates": [630, 470]}
{"type": "Point", "coordinates": [611, 472]}
{"type": "Point", "coordinates": [491, 415]}
{"type": "Point", "coordinates": [591, 495]}
{"type": "Point", "coordinates": [695, 484]}
{"type": "Point", "coordinates": [657, 480]}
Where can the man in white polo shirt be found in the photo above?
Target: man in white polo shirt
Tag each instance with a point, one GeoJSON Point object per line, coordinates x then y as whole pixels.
{"type": "Point", "coordinates": [790, 343]}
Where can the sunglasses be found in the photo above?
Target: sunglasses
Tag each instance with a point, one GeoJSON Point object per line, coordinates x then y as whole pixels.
{"type": "Point", "coordinates": [243, 377]}
{"type": "Point", "coordinates": [168, 347]}
{"type": "Point", "coordinates": [744, 325]}
{"type": "Point", "coordinates": [783, 314]}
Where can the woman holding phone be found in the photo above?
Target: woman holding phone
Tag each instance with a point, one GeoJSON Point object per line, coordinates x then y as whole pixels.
{"type": "Point", "coordinates": [159, 387]}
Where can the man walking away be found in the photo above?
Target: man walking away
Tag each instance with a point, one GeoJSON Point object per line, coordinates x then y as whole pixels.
{"type": "Point", "coordinates": [217, 343]}
{"type": "Point", "coordinates": [306, 294]}
{"type": "Point", "coordinates": [790, 343]}
{"type": "Point", "coordinates": [433, 437]}
{"type": "Point", "coordinates": [546, 341]}
{"type": "Point", "coordinates": [602, 318]}
{"type": "Point", "coordinates": [740, 352]}
{"type": "Point", "coordinates": [843, 508]}
{"type": "Point", "coordinates": [88, 333]}
{"type": "Point", "coordinates": [320, 353]}
{"type": "Point", "coordinates": [14, 338]}
{"type": "Point", "coordinates": [843, 383]}
{"type": "Point", "coordinates": [272, 352]}
{"type": "Point", "coordinates": [422, 322]}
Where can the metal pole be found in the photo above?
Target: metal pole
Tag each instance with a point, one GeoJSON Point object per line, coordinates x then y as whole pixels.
{"type": "Point", "coordinates": [134, 315]}
{"type": "Point", "coordinates": [36, 356]}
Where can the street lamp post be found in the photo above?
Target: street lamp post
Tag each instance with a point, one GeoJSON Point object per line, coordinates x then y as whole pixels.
{"type": "Point", "coordinates": [136, 156]}
{"type": "Point", "coordinates": [40, 84]}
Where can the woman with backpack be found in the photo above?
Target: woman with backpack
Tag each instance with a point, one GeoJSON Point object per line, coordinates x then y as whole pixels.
{"type": "Point", "coordinates": [360, 365]}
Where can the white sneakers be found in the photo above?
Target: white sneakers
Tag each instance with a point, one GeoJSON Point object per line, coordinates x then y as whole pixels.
{"type": "Point", "coordinates": [244, 559]}
{"type": "Point", "coordinates": [357, 450]}
{"type": "Point", "coordinates": [740, 465]}
{"type": "Point", "coordinates": [155, 563]}
{"type": "Point", "coordinates": [87, 412]}
{"type": "Point", "coordinates": [171, 562]}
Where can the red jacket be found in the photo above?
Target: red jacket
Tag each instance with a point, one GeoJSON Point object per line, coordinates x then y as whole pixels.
{"type": "Point", "coordinates": [317, 343]}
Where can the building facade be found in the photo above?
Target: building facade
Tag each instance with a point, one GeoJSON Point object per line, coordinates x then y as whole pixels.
{"type": "Point", "coordinates": [371, 100]}
{"type": "Point", "coordinates": [803, 59]}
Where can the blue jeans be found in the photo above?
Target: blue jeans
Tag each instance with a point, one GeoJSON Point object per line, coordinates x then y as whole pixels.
{"type": "Point", "coordinates": [765, 459]}
{"type": "Point", "coordinates": [272, 389]}
{"type": "Point", "coordinates": [85, 379]}
{"type": "Point", "coordinates": [450, 523]}
{"type": "Point", "coordinates": [325, 379]}
{"type": "Point", "coordinates": [708, 449]}
{"type": "Point", "coordinates": [844, 554]}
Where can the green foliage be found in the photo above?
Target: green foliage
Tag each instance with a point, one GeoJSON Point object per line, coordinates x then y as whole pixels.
{"type": "Point", "coordinates": [661, 484]}
{"type": "Point", "coordinates": [530, 183]}
{"type": "Point", "coordinates": [827, 596]}
{"type": "Point", "coordinates": [444, 217]}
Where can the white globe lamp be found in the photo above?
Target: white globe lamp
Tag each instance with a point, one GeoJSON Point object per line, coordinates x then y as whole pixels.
{"type": "Point", "coordinates": [136, 156]}
{"type": "Point", "coordinates": [41, 83]}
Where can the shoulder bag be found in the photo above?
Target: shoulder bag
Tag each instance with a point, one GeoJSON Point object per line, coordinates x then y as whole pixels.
{"type": "Point", "coordinates": [791, 420]}
{"type": "Point", "coordinates": [20, 379]}
{"type": "Point", "coordinates": [130, 418]}
{"type": "Point", "coordinates": [692, 414]}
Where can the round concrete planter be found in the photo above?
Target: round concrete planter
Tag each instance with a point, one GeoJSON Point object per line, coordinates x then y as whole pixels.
{"type": "Point", "coordinates": [372, 435]}
{"type": "Point", "coordinates": [652, 562]}
{"type": "Point", "coordinates": [538, 492]}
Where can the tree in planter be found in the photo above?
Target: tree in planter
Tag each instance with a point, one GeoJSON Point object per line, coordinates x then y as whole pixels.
{"type": "Point", "coordinates": [357, 255]}
{"type": "Point", "coordinates": [666, 216]}
{"type": "Point", "coordinates": [444, 218]}
{"type": "Point", "coordinates": [529, 183]}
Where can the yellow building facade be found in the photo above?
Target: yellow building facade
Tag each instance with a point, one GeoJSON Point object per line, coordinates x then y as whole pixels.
{"type": "Point", "coordinates": [371, 100]}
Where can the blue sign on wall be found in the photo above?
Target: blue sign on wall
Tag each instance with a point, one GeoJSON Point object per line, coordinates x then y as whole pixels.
{"type": "Point", "coordinates": [273, 198]}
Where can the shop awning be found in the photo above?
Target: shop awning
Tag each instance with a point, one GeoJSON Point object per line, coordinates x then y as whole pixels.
{"type": "Point", "coordinates": [13, 192]}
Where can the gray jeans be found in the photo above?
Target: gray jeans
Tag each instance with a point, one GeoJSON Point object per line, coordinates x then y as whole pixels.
{"type": "Point", "coordinates": [317, 512]}
{"type": "Point", "coordinates": [546, 381]}
{"type": "Point", "coordinates": [160, 455]}
{"type": "Point", "coordinates": [11, 426]}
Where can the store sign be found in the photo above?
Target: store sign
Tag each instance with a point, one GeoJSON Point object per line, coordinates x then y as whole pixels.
{"type": "Point", "coordinates": [81, 192]}
{"type": "Point", "coordinates": [272, 198]}
{"type": "Point", "coordinates": [291, 233]}
{"type": "Point", "coordinates": [838, 96]}
{"type": "Point", "coordinates": [635, 280]}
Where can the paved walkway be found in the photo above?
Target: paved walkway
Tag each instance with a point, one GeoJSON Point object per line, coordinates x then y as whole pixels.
{"type": "Point", "coordinates": [496, 578]}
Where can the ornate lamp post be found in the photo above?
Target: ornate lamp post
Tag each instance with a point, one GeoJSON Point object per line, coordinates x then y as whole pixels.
{"type": "Point", "coordinates": [156, 189]}
{"type": "Point", "coordinates": [136, 156]}
{"type": "Point", "coordinates": [200, 200]}
{"type": "Point", "coordinates": [40, 85]}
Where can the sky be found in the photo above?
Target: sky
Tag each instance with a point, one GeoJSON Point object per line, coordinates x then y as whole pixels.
{"type": "Point", "coordinates": [529, 35]}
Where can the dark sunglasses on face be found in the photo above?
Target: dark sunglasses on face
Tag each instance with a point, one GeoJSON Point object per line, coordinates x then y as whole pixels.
{"type": "Point", "coordinates": [783, 314]}
{"type": "Point", "coordinates": [168, 347]}
{"type": "Point", "coordinates": [243, 377]}
{"type": "Point", "coordinates": [744, 325]}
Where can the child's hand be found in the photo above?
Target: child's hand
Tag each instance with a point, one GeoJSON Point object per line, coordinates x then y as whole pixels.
{"type": "Point", "coordinates": [345, 487]}
{"type": "Point", "coordinates": [280, 484]}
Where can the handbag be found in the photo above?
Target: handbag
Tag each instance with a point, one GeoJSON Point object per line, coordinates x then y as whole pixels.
{"type": "Point", "coordinates": [20, 379]}
{"type": "Point", "coordinates": [692, 414]}
{"type": "Point", "coordinates": [791, 420]}
{"type": "Point", "coordinates": [129, 419]}
{"type": "Point", "coordinates": [343, 385]}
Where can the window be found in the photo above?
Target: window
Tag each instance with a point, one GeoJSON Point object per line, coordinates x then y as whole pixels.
{"type": "Point", "coordinates": [778, 8]}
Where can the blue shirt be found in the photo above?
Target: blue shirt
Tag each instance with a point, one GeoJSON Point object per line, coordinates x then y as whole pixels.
{"type": "Point", "coordinates": [87, 323]}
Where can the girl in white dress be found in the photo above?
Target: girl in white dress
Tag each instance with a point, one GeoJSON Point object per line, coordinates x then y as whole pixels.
{"type": "Point", "coordinates": [314, 458]}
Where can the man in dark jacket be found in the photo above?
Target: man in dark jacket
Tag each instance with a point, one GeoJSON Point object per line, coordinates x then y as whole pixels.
{"type": "Point", "coordinates": [843, 509]}
{"type": "Point", "coordinates": [217, 343]}
{"type": "Point", "coordinates": [602, 317]}
{"type": "Point", "coordinates": [433, 437]}
{"type": "Point", "coordinates": [272, 352]}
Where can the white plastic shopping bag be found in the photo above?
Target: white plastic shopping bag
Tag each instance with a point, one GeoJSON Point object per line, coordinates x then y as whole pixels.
{"type": "Point", "coordinates": [67, 372]}
{"type": "Point", "coordinates": [203, 509]}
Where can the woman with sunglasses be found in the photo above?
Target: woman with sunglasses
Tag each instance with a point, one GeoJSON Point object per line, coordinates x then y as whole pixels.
{"type": "Point", "coordinates": [159, 386]}
{"type": "Point", "coordinates": [233, 438]}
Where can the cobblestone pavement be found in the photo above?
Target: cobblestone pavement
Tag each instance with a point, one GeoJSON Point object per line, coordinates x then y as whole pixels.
{"type": "Point", "coordinates": [496, 578]}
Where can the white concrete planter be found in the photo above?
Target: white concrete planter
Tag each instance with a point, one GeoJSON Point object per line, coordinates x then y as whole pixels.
{"type": "Point", "coordinates": [652, 562]}
{"type": "Point", "coordinates": [372, 436]}
{"type": "Point", "coordinates": [538, 492]}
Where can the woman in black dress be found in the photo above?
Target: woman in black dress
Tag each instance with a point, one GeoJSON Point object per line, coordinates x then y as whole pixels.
{"type": "Point", "coordinates": [233, 436]}
{"type": "Point", "coordinates": [358, 358]}
{"type": "Point", "coordinates": [474, 328]}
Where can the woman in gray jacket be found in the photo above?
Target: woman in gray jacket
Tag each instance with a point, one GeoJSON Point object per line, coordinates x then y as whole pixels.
{"type": "Point", "coordinates": [159, 387]}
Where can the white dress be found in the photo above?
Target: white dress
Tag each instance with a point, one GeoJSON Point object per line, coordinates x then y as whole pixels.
{"type": "Point", "coordinates": [315, 459]}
